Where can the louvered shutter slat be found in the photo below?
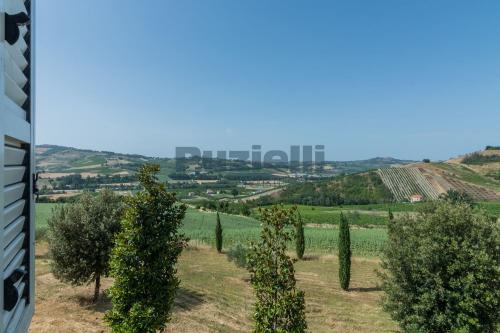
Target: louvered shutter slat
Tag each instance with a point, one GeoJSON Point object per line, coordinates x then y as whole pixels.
{"type": "Point", "coordinates": [15, 73]}
{"type": "Point", "coordinates": [12, 230]}
{"type": "Point", "coordinates": [14, 92]}
{"type": "Point", "coordinates": [14, 174]}
{"type": "Point", "coordinates": [17, 55]}
{"type": "Point", "coordinates": [14, 264]}
{"type": "Point", "coordinates": [14, 156]}
{"type": "Point", "coordinates": [17, 313]}
{"type": "Point", "coordinates": [13, 193]}
{"type": "Point", "coordinates": [12, 249]}
{"type": "Point", "coordinates": [13, 211]}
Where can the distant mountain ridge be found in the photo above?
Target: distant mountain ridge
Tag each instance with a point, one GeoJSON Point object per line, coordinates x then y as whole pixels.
{"type": "Point", "coordinates": [61, 159]}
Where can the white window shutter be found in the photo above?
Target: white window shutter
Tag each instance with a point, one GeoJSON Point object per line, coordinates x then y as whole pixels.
{"type": "Point", "coordinates": [17, 168]}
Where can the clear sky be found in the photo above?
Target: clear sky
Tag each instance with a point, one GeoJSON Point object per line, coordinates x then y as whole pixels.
{"type": "Point", "coordinates": [408, 79]}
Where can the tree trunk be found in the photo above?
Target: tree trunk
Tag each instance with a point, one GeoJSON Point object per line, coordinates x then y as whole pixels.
{"type": "Point", "coordinates": [97, 287]}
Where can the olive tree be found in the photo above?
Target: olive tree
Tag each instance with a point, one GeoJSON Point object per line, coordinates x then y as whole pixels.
{"type": "Point", "coordinates": [81, 238]}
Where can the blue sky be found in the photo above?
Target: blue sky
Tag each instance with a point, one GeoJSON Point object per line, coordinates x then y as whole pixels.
{"type": "Point", "coordinates": [408, 79]}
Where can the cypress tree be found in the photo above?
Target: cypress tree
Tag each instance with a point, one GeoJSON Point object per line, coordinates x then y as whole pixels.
{"type": "Point", "coordinates": [391, 216]}
{"type": "Point", "coordinates": [299, 238]}
{"type": "Point", "coordinates": [218, 234]}
{"type": "Point", "coordinates": [344, 253]}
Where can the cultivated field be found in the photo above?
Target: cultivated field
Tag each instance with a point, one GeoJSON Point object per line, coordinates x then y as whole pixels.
{"type": "Point", "coordinates": [405, 182]}
{"type": "Point", "coordinates": [432, 179]}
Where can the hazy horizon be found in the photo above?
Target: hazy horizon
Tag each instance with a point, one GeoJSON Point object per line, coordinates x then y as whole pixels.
{"type": "Point", "coordinates": [409, 80]}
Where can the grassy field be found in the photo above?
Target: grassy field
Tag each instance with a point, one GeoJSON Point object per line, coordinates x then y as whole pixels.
{"type": "Point", "coordinates": [321, 235]}
{"type": "Point", "coordinates": [492, 208]}
{"type": "Point", "coordinates": [199, 227]}
{"type": "Point", "coordinates": [215, 296]}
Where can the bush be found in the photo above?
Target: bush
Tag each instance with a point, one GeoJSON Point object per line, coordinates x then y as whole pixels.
{"type": "Point", "coordinates": [280, 307]}
{"type": "Point", "coordinates": [144, 258]}
{"type": "Point", "coordinates": [81, 238]}
{"type": "Point", "coordinates": [441, 271]}
{"type": "Point", "coordinates": [457, 197]}
{"type": "Point", "coordinates": [238, 254]}
{"type": "Point", "coordinates": [477, 158]}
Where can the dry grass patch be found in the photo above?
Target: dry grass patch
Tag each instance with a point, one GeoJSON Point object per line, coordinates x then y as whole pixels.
{"type": "Point", "coordinates": [215, 296]}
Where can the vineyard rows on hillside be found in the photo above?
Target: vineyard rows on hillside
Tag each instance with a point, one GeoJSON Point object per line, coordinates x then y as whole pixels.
{"type": "Point", "coordinates": [405, 182]}
{"type": "Point", "coordinates": [476, 192]}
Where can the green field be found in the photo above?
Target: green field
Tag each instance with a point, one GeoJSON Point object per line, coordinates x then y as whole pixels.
{"type": "Point", "coordinates": [238, 229]}
{"type": "Point", "coordinates": [492, 207]}
{"type": "Point", "coordinates": [322, 238]}
{"type": "Point", "coordinates": [331, 215]}
{"type": "Point", "coordinates": [199, 227]}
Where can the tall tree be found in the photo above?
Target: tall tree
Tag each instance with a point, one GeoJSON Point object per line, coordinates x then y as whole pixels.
{"type": "Point", "coordinates": [344, 253]}
{"type": "Point", "coordinates": [144, 259]}
{"type": "Point", "coordinates": [280, 307]}
{"type": "Point", "coordinates": [218, 234]}
{"type": "Point", "coordinates": [441, 271]}
{"type": "Point", "coordinates": [300, 245]}
{"type": "Point", "coordinates": [81, 238]}
{"type": "Point", "coordinates": [391, 215]}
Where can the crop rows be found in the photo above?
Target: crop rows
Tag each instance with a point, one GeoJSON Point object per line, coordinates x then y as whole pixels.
{"type": "Point", "coordinates": [200, 226]}
{"type": "Point", "coordinates": [405, 182]}
{"type": "Point", "coordinates": [477, 192]}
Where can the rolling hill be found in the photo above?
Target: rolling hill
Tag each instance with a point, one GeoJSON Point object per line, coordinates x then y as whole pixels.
{"type": "Point", "coordinates": [477, 174]}
{"type": "Point", "coordinates": [474, 174]}
{"type": "Point", "coordinates": [56, 161]}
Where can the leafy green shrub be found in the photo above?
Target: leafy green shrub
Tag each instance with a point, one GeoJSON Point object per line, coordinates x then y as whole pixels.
{"type": "Point", "coordinates": [81, 238]}
{"type": "Point", "coordinates": [456, 197]}
{"type": "Point", "coordinates": [441, 271]}
{"type": "Point", "coordinates": [144, 258]}
{"type": "Point", "coordinates": [280, 307]}
{"type": "Point", "coordinates": [238, 254]}
{"type": "Point", "coordinates": [477, 158]}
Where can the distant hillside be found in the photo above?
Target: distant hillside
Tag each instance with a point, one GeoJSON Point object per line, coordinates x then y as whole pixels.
{"type": "Point", "coordinates": [477, 174]}
{"type": "Point", "coordinates": [361, 188]}
{"type": "Point", "coordinates": [59, 159]}
{"type": "Point", "coordinates": [56, 161]}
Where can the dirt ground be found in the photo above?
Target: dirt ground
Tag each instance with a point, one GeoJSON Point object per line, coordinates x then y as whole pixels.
{"type": "Point", "coordinates": [215, 296]}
